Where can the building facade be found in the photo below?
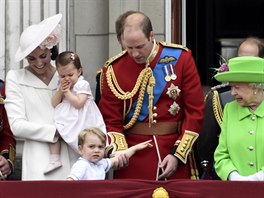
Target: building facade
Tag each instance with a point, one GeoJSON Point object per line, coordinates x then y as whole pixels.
{"type": "Point", "coordinates": [88, 28]}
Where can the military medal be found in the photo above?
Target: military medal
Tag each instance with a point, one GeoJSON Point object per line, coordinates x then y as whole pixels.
{"type": "Point", "coordinates": [174, 109]}
{"type": "Point", "coordinates": [173, 91]}
{"type": "Point", "coordinates": [173, 75]}
{"type": "Point", "coordinates": [167, 76]}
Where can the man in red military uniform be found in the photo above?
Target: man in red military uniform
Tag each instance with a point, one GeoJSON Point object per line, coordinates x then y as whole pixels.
{"type": "Point", "coordinates": [7, 140]}
{"type": "Point", "coordinates": [152, 91]}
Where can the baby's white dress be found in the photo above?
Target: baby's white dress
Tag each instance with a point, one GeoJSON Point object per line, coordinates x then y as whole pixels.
{"type": "Point", "coordinates": [70, 121]}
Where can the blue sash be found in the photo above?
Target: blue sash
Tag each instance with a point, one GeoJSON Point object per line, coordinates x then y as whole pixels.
{"type": "Point", "coordinates": [159, 76]}
{"type": "Point", "coordinates": [1, 84]}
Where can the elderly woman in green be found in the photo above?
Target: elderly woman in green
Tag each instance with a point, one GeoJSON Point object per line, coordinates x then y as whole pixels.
{"type": "Point", "coordinates": [240, 153]}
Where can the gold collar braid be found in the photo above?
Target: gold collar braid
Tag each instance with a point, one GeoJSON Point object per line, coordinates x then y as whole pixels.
{"type": "Point", "coordinates": [145, 78]}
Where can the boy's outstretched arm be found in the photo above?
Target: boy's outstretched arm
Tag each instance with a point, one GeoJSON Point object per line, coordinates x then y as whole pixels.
{"type": "Point", "coordinates": [118, 157]}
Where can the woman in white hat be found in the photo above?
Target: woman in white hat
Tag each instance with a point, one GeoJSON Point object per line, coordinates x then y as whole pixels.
{"type": "Point", "coordinates": [239, 154]}
{"type": "Point", "coordinates": [28, 102]}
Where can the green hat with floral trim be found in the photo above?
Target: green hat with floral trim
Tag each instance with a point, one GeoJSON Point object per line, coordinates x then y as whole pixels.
{"type": "Point", "coordinates": [242, 69]}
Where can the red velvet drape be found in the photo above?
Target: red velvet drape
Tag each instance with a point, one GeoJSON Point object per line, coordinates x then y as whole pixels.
{"type": "Point", "coordinates": [129, 189]}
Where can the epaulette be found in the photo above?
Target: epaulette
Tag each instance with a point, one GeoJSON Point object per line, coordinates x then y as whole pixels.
{"type": "Point", "coordinates": [99, 71]}
{"type": "Point", "coordinates": [174, 45]}
{"type": "Point", "coordinates": [107, 63]}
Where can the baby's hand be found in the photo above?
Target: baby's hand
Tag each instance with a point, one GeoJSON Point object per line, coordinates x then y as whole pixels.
{"type": "Point", "coordinates": [65, 86]}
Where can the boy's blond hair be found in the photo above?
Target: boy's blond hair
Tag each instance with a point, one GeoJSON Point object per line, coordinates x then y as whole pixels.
{"type": "Point", "coordinates": [96, 131]}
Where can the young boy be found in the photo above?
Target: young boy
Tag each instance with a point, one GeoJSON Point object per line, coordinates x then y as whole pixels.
{"type": "Point", "coordinates": [92, 165]}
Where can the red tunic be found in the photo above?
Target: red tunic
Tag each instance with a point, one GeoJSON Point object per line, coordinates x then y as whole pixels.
{"type": "Point", "coordinates": [6, 135]}
{"type": "Point", "coordinates": [143, 165]}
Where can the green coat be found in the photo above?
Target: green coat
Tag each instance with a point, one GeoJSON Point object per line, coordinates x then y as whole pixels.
{"type": "Point", "coordinates": [241, 142]}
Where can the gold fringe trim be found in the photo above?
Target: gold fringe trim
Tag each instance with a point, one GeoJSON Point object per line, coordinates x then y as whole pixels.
{"type": "Point", "coordinates": [193, 167]}
{"type": "Point", "coordinates": [144, 79]}
{"type": "Point", "coordinates": [217, 108]}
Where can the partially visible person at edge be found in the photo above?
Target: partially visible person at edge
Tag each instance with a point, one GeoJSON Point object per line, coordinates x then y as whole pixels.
{"type": "Point", "coordinates": [215, 101]}
{"type": "Point", "coordinates": [148, 92]}
{"type": "Point", "coordinates": [28, 100]}
{"type": "Point", "coordinates": [7, 140]}
{"type": "Point", "coordinates": [119, 24]}
{"type": "Point", "coordinates": [239, 154]}
{"type": "Point", "coordinates": [92, 165]}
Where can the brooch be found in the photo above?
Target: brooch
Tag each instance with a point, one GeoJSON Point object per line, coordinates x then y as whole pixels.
{"type": "Point", "coordinates": [173, 91]}
{"type": "Point", "coordinates": [174, 109]}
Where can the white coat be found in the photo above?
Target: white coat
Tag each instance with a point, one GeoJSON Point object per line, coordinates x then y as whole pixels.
{"type": "Point", "coordinates": [30, 114]}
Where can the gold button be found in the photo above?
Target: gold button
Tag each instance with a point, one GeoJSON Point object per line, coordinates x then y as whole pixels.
{"type": "Point", "coordinates": [155, 114]}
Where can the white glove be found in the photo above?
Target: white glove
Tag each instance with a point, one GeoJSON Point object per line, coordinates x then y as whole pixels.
{"type": "Point", "coordinates": [259, 176]}
{"type": "Point", "coordinates": [234, 176]}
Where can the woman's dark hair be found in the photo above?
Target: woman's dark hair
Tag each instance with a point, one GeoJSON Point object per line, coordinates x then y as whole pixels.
{"type": "Point", "coordinates": [54, 52]}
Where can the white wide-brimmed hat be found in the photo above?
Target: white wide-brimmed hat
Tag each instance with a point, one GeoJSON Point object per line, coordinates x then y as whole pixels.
{"type": "Point", "coordinates": [34, 35]}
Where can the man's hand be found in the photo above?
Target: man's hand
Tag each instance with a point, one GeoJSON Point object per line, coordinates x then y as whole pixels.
{"type": "Point", "coordinates": [122, 161]}
{"type": "Point", "coordinates": [169, 164]}
{"type": "Point", "coordinates": [5, 168]}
